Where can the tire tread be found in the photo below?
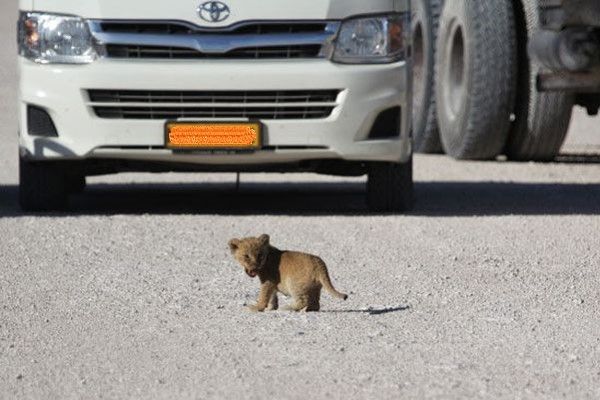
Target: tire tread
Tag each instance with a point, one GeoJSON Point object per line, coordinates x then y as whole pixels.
{"type": "Point", "coordinates": [426, 134]}
{"type": "Point", "coordinates": [542, 119]}
{"type": "Point", "coordinates": [481, 131]}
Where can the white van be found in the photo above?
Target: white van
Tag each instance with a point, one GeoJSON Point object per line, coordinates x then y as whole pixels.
{"type": "Point", "coordinates": [236, 85]}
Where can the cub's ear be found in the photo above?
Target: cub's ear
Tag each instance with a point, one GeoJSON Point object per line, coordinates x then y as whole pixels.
{"type": "Point", "coordinates": [234, 244]}
{"type": "Point", "coordinates": [264, 238]}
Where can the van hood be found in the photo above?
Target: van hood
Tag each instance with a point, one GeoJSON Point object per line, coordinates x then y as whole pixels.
{"type": "Point", "coordinates": [238, 10]}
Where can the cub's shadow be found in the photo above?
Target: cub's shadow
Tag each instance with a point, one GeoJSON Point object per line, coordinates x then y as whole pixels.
{"type": "Point", "coordinates": [371, 311]}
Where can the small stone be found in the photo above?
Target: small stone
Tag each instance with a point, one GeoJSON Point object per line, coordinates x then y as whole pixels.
{"type": "Point", "coordinates": [19, 377]}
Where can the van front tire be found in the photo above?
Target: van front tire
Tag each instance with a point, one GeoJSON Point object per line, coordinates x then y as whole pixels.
{"type": "Point", "coordinates": [390, 187]}
{"type": "Point", "coordinates": [43, 186]}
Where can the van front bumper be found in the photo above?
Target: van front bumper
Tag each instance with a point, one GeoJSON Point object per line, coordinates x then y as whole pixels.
{"type": "Point", "coordinates": [365, 92]}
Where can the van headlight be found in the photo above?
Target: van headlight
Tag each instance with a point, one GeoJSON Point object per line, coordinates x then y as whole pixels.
{"type": "Point", "coordinates": [49, 38]}
{"type": "Point", "coordinates": [372, 40]}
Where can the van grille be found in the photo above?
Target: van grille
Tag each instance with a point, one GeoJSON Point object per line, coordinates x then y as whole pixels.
{"type": "Point", "coordinates": [289, 104]}
{"type": "Point", "coordinates": [246, 40]}
{"type": "Point", "coordinates": [177, 53]}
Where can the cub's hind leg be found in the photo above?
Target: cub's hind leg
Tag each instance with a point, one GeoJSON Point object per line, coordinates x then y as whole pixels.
{"type": "Point", "coordinates": [300, 303]}
{"type": "Point", "coordinates": [273, 302]}
{"type": "Point", "coordinates": [306, 302]}
{"type": "Point", "coordinates": [314, 297]}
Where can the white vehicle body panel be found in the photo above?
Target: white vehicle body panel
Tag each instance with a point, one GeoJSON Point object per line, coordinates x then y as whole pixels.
{"type": "Point", "coordinates": [365, 90]}
{"type": "Point", "coordinates": [241, 10]}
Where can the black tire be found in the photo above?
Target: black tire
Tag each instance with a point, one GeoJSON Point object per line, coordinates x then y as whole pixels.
{"type": "Point", "coordinates": [390, 187]}
{"type": "Point", "coordinates": [43, 186]}
{"type": "Point", "coordinates": [425, 20]}
{"type": "Point", "coordinates": [476, 77]}
{"type": "Point", "coordinates": [542, 119]}
{"type": "Point", "coordinates": [76, 183]}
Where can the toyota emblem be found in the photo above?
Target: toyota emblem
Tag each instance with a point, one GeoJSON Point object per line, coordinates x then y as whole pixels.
{"type": "Point", "coordinates": [213, 11]}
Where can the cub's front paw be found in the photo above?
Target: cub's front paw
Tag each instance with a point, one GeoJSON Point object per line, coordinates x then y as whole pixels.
{"type": "Point", "coordinates": [254, 308]}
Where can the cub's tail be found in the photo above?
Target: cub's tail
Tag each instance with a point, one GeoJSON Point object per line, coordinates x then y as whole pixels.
{"type": "Point", "coordinates": [326, 282]}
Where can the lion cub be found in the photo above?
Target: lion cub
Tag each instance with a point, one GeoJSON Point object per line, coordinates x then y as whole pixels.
{"type": "Point", "coordinates": [295, 274]}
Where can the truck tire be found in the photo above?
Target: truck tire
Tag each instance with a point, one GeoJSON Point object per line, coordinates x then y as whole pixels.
{"type": "Point", "coordinates": [390, 187]}
{"type": "Point", "coordinates": [425, 20]}
{"type": "Point", "coordinates": [476, 77]}
{"type": "Point", "coordinates": [542, 119]}
{"type": "Point", "coordinates": [43, 186]}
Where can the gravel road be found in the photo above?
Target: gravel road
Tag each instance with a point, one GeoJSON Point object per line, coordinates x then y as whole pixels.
{"type": "Point", "coordinates": [489, 289]}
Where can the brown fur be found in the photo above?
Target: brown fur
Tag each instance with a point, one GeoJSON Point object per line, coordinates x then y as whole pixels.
{"type": "Point", "coordinates": [291, 273]}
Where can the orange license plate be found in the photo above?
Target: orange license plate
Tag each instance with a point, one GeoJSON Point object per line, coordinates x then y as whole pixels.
{"type": "Point", "coordinates": [213, 135]}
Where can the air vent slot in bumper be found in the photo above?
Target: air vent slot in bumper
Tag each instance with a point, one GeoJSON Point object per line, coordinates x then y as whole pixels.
{"type": "Point", "coordinates": [265, 105]}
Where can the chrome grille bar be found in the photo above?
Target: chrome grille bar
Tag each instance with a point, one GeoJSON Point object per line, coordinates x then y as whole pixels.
{"type": "Point", "coordinates": [152, 52]}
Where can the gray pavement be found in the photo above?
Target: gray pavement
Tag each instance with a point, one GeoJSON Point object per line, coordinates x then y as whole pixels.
{"type": "Point", "coordinates": [489, 289]}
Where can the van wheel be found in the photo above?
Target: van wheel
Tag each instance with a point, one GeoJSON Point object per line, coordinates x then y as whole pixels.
{"type": "Point", "coordinates": [76, 183]}
{"type": "Point", "coordinates": [542, 119]}
{"type": "Point", "coordinates": [390, 187]}
{"type": "Point", "coordinates": [476, 70]}
{"type": "Point", "coordinates": [43, 186]}
{"type": "Point", "coordinates": [425, 19]}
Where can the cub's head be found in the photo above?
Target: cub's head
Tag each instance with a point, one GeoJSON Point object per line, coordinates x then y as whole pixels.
{"type": "Point", "coordinates": [251, 253]}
